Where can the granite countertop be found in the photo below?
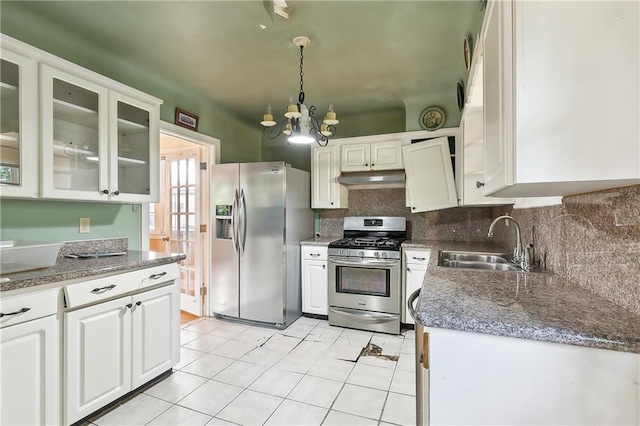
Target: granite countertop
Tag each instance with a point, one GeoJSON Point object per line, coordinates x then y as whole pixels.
{"type": "Point", "coordinates": [319, 241]}
{"type": "Point", "coordinates": [69, 269]}
{"type": "Point", "coordinates": [537, 306]}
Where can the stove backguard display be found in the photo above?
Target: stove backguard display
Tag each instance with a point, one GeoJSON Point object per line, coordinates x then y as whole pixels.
{"type": "Point", "coordinates": [372, 222]}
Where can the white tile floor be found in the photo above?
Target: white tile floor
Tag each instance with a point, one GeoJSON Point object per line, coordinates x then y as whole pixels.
{"type": "Point", "coordinates": [309, 374]}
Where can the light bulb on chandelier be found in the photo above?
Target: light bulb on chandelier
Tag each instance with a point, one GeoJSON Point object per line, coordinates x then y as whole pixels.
{"type": "Point", "coordinates": [301, 126]}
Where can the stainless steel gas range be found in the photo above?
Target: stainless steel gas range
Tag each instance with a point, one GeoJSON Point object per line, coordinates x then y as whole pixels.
{"type": "Point", "coordinates": [364, 274]}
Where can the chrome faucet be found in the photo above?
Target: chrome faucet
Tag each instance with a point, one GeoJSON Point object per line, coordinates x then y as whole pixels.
{"type": "Point", "coordinates": [518, 256]}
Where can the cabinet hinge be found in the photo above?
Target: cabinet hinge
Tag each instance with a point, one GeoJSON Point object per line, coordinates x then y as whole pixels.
{"type": "Point", "coordinates": [203, 290]}
{"type": "Point", "coordinates": [203, 166]}
{"type": "Point", "coordinates": [203, 228]}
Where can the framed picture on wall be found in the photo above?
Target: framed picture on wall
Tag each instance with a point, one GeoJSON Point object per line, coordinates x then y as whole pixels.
{"type": "Point", "coordinates": [186, 119]}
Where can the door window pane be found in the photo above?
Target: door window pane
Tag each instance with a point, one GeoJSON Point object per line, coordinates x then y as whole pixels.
{"type": "Point", "coordinates": [133, 150]}
{"type": "Point", "coordinates": [9, 123]}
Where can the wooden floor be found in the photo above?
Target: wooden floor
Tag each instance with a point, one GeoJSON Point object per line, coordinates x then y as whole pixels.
{"type": "Point", "coordinates": [186, 317]}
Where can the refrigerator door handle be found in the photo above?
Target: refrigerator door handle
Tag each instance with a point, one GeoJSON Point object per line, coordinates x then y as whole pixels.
{"type": "Point", "coordinates": [243, 221]}
{"type": "Point", "coordinates": [234, 221]}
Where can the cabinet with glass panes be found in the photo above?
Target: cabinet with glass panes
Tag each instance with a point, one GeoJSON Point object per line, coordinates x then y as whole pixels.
{"type": "Point", "coordinates": [98, 144]}
{"type": "Point", "coordinates": [18, 125]}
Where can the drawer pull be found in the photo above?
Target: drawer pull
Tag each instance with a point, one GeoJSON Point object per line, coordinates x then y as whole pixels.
{"type": "Point", "coordinates": [21, 311]}
{"type": "Point", "coordinates": [100, 290]}
{"type": "Point", "coordinates": [156, 276]}
{"type": "Point", "coordinates": [419, 258]}
{"type": "Point", "coordinates": [128, 305]}
{"type": "Point", "coordinates": [314, 254]}
{"type": "Point", "coordinates": [138, 303]}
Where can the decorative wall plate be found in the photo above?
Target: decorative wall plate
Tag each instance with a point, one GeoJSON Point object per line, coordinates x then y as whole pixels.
{"type": "Point", "coordinates": [432, 118]}
{"type": "Point", "coordinates": [467, 53]}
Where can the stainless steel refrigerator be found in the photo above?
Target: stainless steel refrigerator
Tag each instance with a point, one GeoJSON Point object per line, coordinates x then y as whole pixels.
{"type": "Point", "coordinates": [261, 213]}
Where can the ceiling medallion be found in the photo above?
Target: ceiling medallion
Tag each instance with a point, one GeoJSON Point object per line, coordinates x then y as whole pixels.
{"type": "Point", "coordinates": [300, 124]}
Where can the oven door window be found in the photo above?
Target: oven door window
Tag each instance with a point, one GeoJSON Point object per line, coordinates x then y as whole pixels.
{"type": "Point", "coordinates": [369, 281]}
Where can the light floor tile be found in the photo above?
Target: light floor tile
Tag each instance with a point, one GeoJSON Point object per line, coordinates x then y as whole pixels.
{"type": "Point", "coordinates": [371, 376]}
{"type": "Point", "coordinates": [296, 413]}
{"type": "Point", "coordinates": [186, 336]}
{"type": "Point", "coordinates": [360, 401]}
{"type": "Point", "coordinates": [219, 422]}
{"type": "Point", "coordinates": [205, 343]}
{"type": "Point", "coordinates": [403, 382]}
{"type": "Point", "coordinates": [344, 351]}
{"type": "Point", "coordinates": [300, 331]}
{"type": "Point", "coordinates": [240, 373]}
{"type": "Point", "coordinates": [229, 330]}
{"type": "Point", "coordinates": [177, 415]}
{"type": "Point", "coordinates": [204, 325]}
{"type": "Point", "coordinates": [176, 386]}
{"type": "Point", "coordinates": [307, 321]}
{"type": "Point", "coordinates": [316, 391]}
{"type": "Point", "coordinates": [399, 409]}
{"type": "Point", "coordinates": [334, 369]}
{"type": "Point", "coordinates": [264, 356]}
{"type": "Point", "coordinates": [276, 382]}
{"type": "Point", "coordinates": [137, 411]}
{"type": "Point", "coordinates": [250, 408]}
{"type": "Point", "coordinates": [407, 362]}
{"type": "Point", "coordinates": [257, 335]}
{"type": "Point", "coordinates": [211, 397]}
{"type": "Point", "coordinates": [234, 349]}
{"type": "Point", "coordinates": [282, 343]}
{"type": "Point", "coordinates": [336, 418]}
{"type": "Point", "coordinates": [300, 363]}
{"type": "Point", "coordinates": [208, 366]}
{"type": "Point", "coordinates": [187, 356]}
{"type": "Point", "coordinates": [377, 361]}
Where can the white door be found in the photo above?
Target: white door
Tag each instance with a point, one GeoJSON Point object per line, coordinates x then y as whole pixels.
{"type": "Point", "coordinates": [98, 356]}
{"type": "Point", "coordinates": [386, 155]}
{"type": "Point", "coordinates": [29, 393]}
{"type": "Point", "coordinates": [156, 333]}
{"type": "Point", "coordinates": [355, 157]}
{"type": "Point", "coordinates": [315, 298]}
{"type": "Point", "coordinates": [182, 207]}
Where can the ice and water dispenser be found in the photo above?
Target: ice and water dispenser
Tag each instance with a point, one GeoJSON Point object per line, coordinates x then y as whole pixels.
{"type": "Point", "coordinates": [224, 229]}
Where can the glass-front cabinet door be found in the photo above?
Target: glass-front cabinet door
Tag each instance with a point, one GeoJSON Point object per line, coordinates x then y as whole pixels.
{"type": "Point", "coordinates": [18, 125]}
{"type": "Point", "coordinates": [74, 137]}
{"type": "Point", "coordinates": [134, 149]}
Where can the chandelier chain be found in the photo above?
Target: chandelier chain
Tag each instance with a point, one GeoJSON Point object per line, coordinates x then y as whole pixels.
{"type": "Point", "coordinates": [301, 70]}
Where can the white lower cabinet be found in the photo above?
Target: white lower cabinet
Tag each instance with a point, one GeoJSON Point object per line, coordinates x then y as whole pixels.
{"type": "Point", "coordinates": [114, 347]}
{"type": "Point", "coordinates": [415, 269]}
{"type": "Point", "coordinates": [315, 290]}
{"type": "Point", "coordinates": [29, 365]}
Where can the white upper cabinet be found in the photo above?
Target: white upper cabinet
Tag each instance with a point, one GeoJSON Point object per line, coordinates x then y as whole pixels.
{"type": "Point", "coordinates": [98, 139]}
{"type": "Point", "coordinates": [382, 155]}
{"type": "Point", "coordinates": [18, 124]}
{"type": "Point", "coordinates": [326, 192]}
{"type": "Point", "coordinates": [561, 105]}
{"type": "Point", "coordinates": [430, 182]}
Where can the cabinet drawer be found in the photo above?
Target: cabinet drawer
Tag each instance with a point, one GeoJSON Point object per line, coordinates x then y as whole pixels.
{"type": "Point", "coordinates": [314, 252]}
{"type": "Point", "coordinates": [115, 285]}
{"type": "Point", "coordinates": [28, 306]}
{"type": "Point", "coordinates": [419, 257]}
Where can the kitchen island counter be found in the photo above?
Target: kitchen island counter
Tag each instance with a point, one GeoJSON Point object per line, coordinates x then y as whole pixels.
{"type": "Point", "coordinates": [536, 306]}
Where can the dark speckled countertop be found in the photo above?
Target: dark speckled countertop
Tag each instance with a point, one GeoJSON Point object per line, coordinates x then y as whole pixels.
{"type": "Point", "coordinates": [69, 269]}
{"type": "Point", "coordinates": [537, 306]}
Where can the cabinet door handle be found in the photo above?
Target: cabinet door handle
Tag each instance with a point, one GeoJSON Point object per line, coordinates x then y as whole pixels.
{"type": "Point", "coordinates": [324, 266]}
{"type": "Point", "coordinates": [409, 270]}
{"type": "Point", "coordinates": [314, 254]}
{"type": "Point", "coordinates": [366, 164]}
{"type": "Point", "coordinates": [138, 303]}
{"type": "Point", "coordinates": [105, 191]}
{"type": "Point", "coordinates": [128, 305]}
{"type": "Point", "coordinates": [332, 203]}
{"type": "Point", "coordinates": [156, 276]}
{"type": "Point", "coordinates": [479, 184]}
{"type": "Point", "coordinates": [21, 311]}
{"type": "Point", "coordinates": [103, 289]}
{"type": "Point", "coordinates": [116, 192]}
{"type": "Point", "coordinates": [418, 258]}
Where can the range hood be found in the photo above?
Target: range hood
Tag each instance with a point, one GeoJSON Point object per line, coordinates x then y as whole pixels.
{"type": "Point", "coordinates": [385, 177]}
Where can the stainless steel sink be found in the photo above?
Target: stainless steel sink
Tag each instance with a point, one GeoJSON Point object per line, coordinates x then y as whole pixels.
{"type": "Point", "coordinates": [476, 260]}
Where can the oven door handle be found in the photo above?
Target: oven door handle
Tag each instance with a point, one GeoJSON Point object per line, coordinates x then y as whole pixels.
{"type": "Point", "coordinates": [341, 262]}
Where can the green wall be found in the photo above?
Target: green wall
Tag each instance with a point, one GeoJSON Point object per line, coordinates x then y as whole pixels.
{"type": "Point", "coordinates": [58, 221]}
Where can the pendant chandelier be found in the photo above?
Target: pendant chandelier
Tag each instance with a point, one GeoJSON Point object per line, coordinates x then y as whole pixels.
{"type": "Point", "coordinates": [300, 124]}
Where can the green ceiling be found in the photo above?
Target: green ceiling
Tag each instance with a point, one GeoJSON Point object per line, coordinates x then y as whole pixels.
{"type": "Point", "coordinates": [365, 56]}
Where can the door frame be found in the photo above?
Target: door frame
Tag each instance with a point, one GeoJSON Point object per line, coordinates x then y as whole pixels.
{"type": "Point", "coordinates": [211, 156]}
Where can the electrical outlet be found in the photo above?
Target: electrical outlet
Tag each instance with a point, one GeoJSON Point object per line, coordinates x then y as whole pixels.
{"type": "Point", "coordinates": [84, 225]}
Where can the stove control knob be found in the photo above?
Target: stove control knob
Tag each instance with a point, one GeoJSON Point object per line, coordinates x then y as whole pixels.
{"type": "Point", "coordinates": [361, 253]}
{"type": "Point", "coordinates": [376, 254]}
{"type": "Point", "coordinates": [384, 254]}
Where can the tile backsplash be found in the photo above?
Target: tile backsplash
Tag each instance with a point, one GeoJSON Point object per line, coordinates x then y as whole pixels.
{"type": "Point", "coordinates": [591, 239]}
